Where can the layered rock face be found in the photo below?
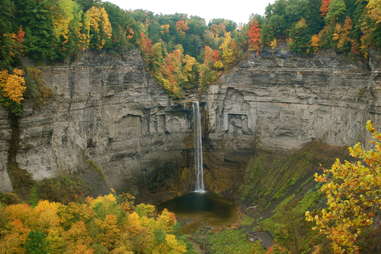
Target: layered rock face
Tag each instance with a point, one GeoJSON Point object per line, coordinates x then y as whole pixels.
{"type": "Point", "coordinates": [279, 101]}
{"type": "Point", "coordinates": [5, 183]}
{"type": "Point", "coordinates": [106, 114]}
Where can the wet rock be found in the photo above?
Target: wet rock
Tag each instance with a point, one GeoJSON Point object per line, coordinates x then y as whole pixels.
{"type": "Point", "coordinates": [263, 236]}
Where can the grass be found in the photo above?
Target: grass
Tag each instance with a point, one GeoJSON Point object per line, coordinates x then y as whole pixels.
{"type": "Point", "coordinates": [281, 185]}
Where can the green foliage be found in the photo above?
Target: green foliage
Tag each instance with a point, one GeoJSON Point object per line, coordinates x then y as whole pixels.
{"type": "Point", "coordinates": [62, 189]}
{"type": "Point", "coordinates": [232, 242]}
{"type": "Point", "coordinates": [281, 184]}
{"type": "Point", "coordinates": [271, 176]}
{"type": "Point", "coordinates": [287, 223]}
{"type": "Point", "coordinates": [282, 17]}
{"type": "Point", "coordinates": [36, 243]}
{"type": "Point", "coordinates": [9, 198]}
{"type": "Point", "coordinates": [40, 41]}
{"type": "Point", "coordinates": [21, 179]}
{"type": "Point", "coordinates": [300, 37]}
{"type": "Point", "coordinates": [125, 28]}
{"type": "Point", "coordinates": [37, 89]}
{"type": "Point", "coordinates": [337, 9]}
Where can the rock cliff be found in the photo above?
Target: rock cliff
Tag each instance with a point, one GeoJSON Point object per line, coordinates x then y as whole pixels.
{"type": "Point", "coordinates": [280, 101]}
{"type": "Point", "coordinates": [107, 114]}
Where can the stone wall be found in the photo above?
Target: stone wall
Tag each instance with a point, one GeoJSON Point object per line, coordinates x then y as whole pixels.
{"type": "Point", "coordinates": [280, 101]}
{"type": "Point", "coordinates": [106, 111]}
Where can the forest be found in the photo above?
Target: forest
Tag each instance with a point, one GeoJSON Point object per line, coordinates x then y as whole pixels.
{"type": "Point", "coordinates": [185, 55]}
{"type": "Point", "coordinates": [181, 52]}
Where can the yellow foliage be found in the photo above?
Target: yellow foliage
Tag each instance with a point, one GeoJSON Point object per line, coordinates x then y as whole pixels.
{"type": "Point", "coordinates": [164, 28]}
{"type": "Point", "coordinates": [341, 34]}
{"type": "Point", "coordinates": [97, 26]}
{"type": "Point", "coordinates": [274, 44]}
{"type": "Point", "coordinates": [374, 10]}
{"type": "Point", "coordinates": [79, 227]}
{"type": "Point", "coordinates": [63, 16]}
{"type": "Point", "coordinates": [229, 50]}
{"type": "Point", "coordinates": [12, 86]}
{"type": "Point", "coordinates": [353, 192]}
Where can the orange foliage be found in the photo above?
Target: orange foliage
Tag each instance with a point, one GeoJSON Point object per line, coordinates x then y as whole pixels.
{"type": "Point", "coordinates": [254, 36]}
{"type": "Point", "coordinates": [181, 27]}
{"type": "Point", "coordinates": [12, 86]}
{"type": "Point", "coordinates": [341, 34]}
{"type": "Point", "coordinates": [146, 46]}
{"type": "Point", "coordinates": [324, 8]}
{"type": "Point", "coordinates": [210, 55]}
{"type": "Point", "coordinates": [20, 35]}
{"type": "Point", "coordinates": [315, 40]}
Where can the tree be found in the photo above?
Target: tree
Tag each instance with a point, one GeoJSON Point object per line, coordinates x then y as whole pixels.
{"type": "Point", "coordinates": [230, 51]}
{"type": "Point", "coordinates": [12, 86]}
{"type": "Point", "coordinates": [40, 42]}
{"type": "Point", "coordinates": [353, 192]}
{"type": "Point", "coordinates": [300, 38]}
{"type": "Point", "coordinates": [97, 27]}
{"type": "Point", "coordinates": [341, 35]}
{"type": "Point", "coordinates": [315, 41]}
{"type": "Point", "coordinates": [181, 27]}
{"type": "Point", "coordinates": [336, 9]}
{"type": "Point", "coordinates": [254, 36]}
{"type": "Point", "coordinates": [324, 7]}
{"type": "Point", "coordinates": [374, 10]}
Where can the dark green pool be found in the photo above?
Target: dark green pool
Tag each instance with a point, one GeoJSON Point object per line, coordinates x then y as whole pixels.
{"type": "Point", "coordinates": [197, 203]}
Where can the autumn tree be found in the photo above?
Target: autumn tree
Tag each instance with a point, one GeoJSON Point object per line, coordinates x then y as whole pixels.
{"type": "Point", "coordinates": [324, 7]}
{"type": "Point", "coordinates": [40, 42]}
{"type": "Point", "coordinates": [299, 37]}
{"type": "Point", "coordinates": [315, 42]}
{"type": "Point", "coordinates": [254, 36]}
{"type": "Point", "coordinates": [97, 27]}
{"type": "Point", "coordinates": [12, 88]}
{"type": "Point", "coordinates": [336, 9]}
{"type": "Point", "coordinates": [106, 224]}
{"type": "Point", "coordinates": [181, 27]}
{"type": "Point", "coordinates": [374, 10]}
{"type": "Point", "coordinates": [230, 50]}
{"type": "Point", "coordinates": [12, 85]}
{"type": "Point", "coordinates": [342, 32]}
{"type": "Point", "coordinates": [353, 192]}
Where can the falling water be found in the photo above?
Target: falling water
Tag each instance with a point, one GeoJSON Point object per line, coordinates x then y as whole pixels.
{"type": "Point", "coordinates": [198, 160]}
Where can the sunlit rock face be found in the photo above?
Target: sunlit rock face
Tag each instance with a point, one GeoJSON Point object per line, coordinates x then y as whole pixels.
{"type": "Point", "coordinates": [280, 101]}
{"type": "Point", "coordinates": [106, 111]}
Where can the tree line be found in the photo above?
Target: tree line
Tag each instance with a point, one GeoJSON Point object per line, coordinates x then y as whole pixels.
{"type": "Point", "coordinates": [183, 53]}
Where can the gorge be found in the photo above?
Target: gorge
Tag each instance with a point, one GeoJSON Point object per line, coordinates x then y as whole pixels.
{"type": "Point", "coordinates": [108, 110]}
{"type": "Point", "coordinates": [127, 131]}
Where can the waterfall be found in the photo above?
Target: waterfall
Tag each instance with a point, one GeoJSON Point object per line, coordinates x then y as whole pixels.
{"type": "Point", "coordinates": [197, 139]}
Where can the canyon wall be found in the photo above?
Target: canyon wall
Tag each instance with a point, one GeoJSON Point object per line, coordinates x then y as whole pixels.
{"type": "Point", "coordinates": [106, 114]}
{"type": "Point", "coordinates": [281, 101]}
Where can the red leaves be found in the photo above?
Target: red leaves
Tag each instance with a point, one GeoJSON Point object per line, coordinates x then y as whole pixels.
{"type": "Point", "coordinates": [324, 8]}
{"type": "Point", "coordinates": [254, 36]}
{"type": "Point", "coordinates": [20, 35]}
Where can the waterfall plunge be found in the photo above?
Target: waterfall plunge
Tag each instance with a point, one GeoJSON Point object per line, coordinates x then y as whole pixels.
{"type": "Point", "coordinates": [197, 139]}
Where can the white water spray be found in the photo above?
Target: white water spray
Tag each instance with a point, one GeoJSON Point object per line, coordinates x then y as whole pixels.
{"type": "Point", "coordinates": [197, 139]}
